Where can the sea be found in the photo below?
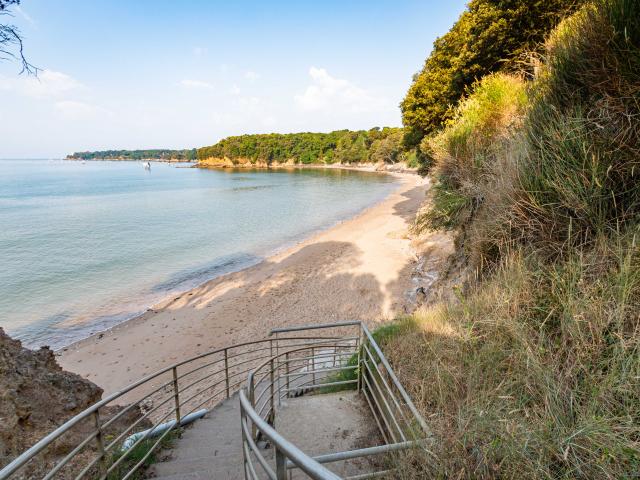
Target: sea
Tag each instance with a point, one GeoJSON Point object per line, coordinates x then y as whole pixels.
{"type": "Point", "coordinates": [87, 245]}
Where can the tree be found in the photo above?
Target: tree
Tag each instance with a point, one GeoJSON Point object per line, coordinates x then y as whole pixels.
{"type": "Point", "coordinates": [11, 47]}
{"type": "Point", "coordinates": [387, 149]}
{"type": "Point", "coordinates": [489, 36]}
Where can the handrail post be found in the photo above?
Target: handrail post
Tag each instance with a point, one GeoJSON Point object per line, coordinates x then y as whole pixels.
{"type": "Point", "coordinates": [286, 359]}
{"type": "Point", "coordinates": [176, 394]}
{"type": "Point", "coordinates": [359, 346]}
{"type": "Point", "coordinates": [244, 440]}
{"type": "Point", "coordinates": [313, 365]}
{"type": "Point", "coordinates": [252, 397]}
{"type": "Point", "coordinates": [226, 370]}
{"type": "Point", "coordinates": [271, 386]}
{"type": "Point", "coordinates": [100, 442]}
{"type": "Point", "coordinates": [281, 465]}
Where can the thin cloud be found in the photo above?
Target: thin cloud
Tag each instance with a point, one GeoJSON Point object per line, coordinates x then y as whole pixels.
{"type": "Point", "coordinates": [26, 16]}
{"type": "Point", "coordinates": [49, 83]}
{"type": "Point", "coordinates": [200, 51]}
{"type": "Point", "coordinates": [330, 93]}
{"type": "Point", "coordinates": [76, 110]}
{"type": "Point", "coordinates": [195, 84]}
{"type": "Point", "coordinates": [251, 75]}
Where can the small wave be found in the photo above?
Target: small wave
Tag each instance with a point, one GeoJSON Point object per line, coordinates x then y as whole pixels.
{"type": "Point", "coordinates": [190, 278]}
{"type": "Point", "coordinates": [48, 332]}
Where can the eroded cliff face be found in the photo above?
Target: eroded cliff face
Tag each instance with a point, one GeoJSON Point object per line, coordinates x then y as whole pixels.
{"type": "Point", "coordinates": [226, 162]}
{"type": "Point", "coordinates": [36, 397]}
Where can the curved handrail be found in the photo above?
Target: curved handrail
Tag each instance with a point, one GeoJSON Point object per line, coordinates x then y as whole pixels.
{"type": "Point", "coordinates": [303, 461]}
{"type": "Point", "coordinates": [269, 375]}
{"type": "Point", "coordinates": [20, 461]}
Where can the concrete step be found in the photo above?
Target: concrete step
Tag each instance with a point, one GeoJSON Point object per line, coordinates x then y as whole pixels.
{"type": "Point", "coordinates": [211, 448]}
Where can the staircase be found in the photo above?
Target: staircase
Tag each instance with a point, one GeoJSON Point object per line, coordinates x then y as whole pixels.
{"type": "Point", "coordinates": [272, 411]}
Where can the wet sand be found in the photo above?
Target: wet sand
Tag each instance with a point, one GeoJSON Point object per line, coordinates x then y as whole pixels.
{"type": "Point", "coordinates": [359, 269]}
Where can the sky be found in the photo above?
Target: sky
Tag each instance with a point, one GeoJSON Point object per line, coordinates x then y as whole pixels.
{"type": "Point", "coordinates": [122, 74]}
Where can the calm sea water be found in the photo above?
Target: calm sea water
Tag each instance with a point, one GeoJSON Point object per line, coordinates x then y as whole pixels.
{"type": "Point", "coordinates": [86, 246]}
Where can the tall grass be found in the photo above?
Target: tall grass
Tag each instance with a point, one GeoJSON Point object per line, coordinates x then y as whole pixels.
{"type": "Point", "coordinates": [535, 372]}
{"type": "Point", "coordinates": [466, 151]}
{"type": "Point", "coordinates": [578, 177]}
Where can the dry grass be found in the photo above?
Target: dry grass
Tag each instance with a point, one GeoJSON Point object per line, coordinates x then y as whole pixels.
{"type": "Point", "coordinates": [536, 374]}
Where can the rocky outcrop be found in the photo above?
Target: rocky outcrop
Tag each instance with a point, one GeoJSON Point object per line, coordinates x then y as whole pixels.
{"type": "Point", "coordinates": [241, 162]}
{"type": "Point", "coordinates": [37, 396]}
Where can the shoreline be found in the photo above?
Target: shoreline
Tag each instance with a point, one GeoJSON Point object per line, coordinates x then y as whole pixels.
{"type": "Point", "coordinates": [89, 324]}
{"type": "Point", "coordinates": [396, 168]}
{"type": "Point", "coordinates": [209, 315]}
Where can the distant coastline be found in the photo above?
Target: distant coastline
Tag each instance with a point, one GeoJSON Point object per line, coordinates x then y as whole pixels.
{"type": "Point", "coordinates": [124, 159]}
{"type": "Point", "coordinates": [152, 154]}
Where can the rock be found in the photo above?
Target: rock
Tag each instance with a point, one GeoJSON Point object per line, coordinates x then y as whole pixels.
{"type": "Point", "coordinates": [37, 396]}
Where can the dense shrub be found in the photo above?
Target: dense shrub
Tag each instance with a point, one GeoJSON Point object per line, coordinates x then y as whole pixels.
{"type": "Point", "coordinates": [578, 176]}
{"type": "Point", "coordinates": [488, 37]}
{"type": "Point", "coordinates": [466, 150]}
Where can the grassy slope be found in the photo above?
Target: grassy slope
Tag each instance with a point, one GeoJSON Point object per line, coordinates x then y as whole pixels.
{"type": "Point", "coordinates": [535, 372]}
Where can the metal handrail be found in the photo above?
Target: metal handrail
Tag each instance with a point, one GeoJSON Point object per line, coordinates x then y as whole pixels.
{"type": "Point", "coordinates": [283, 447]}
{"type": "Point", "coordinates": [167, 391]}
{"type": "Point", "coordinates": [405, 396]}
{"type": "Point", "coordinates": [285, 369]}
{"type": "Point", "coordinates": [261, 410]}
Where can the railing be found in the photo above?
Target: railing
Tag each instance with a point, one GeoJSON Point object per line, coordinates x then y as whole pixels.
{"type": "Point", "coordinates": [355, 361]}
{"type": "Point", "coordinates": [106, 441]}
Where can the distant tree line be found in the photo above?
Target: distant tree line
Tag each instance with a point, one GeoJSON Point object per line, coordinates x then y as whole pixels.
{"type": "Point", "coordinates": [154, 154]}
{"type": "Point", "coordinates": [340, 146]}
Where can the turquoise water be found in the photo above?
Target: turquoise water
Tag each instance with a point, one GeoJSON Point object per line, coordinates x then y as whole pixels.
{"type": "Point", "coordinates": [86, 246]}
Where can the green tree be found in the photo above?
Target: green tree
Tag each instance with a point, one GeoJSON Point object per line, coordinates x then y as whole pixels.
{"type": "Point", "coordinates": [489, 36]}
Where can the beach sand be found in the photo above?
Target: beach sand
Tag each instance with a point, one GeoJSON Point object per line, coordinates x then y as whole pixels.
{"type": "Point", "coordinates": [360, 269]}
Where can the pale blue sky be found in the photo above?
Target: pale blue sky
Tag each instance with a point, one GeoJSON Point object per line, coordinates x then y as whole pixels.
{"type": "Point", "coordinates": [152, 74]}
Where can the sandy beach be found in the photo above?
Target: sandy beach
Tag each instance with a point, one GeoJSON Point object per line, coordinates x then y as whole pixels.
{"type": "Point", "coordinates": [359, 269]}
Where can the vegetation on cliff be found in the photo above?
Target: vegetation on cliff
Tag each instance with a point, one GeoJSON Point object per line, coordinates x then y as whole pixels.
{"type": "Point", "coordinates": [533, 371]}
{"type": "Point", "coordinates": [187, 155]}
{"type": "Point", "coordinates": [341, 146]}
{"type": "Point", "coordinates": [488, 37]}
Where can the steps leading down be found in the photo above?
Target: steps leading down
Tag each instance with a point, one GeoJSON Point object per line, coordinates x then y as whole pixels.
{"type": "Point", "coordinates": [212, 447]}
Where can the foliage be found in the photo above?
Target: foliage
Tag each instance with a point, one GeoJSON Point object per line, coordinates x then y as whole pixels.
{"type": "Point", "coordinates": [147, 450]}
{"type": "Point", "coordinates": [535, 371]}
{"type": "Point", "coordinates": [578, 175]}
{"type": "Point", "coordinates": [341, 146]}
{"type": "Point", "coordinates": [489, 36]}
{"type": "Point", "coordinates": [536, 374]}
{"type": "Point", "coordinates": [155, 154]}
{"type": "Point", "coordinates": [465, 151]}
